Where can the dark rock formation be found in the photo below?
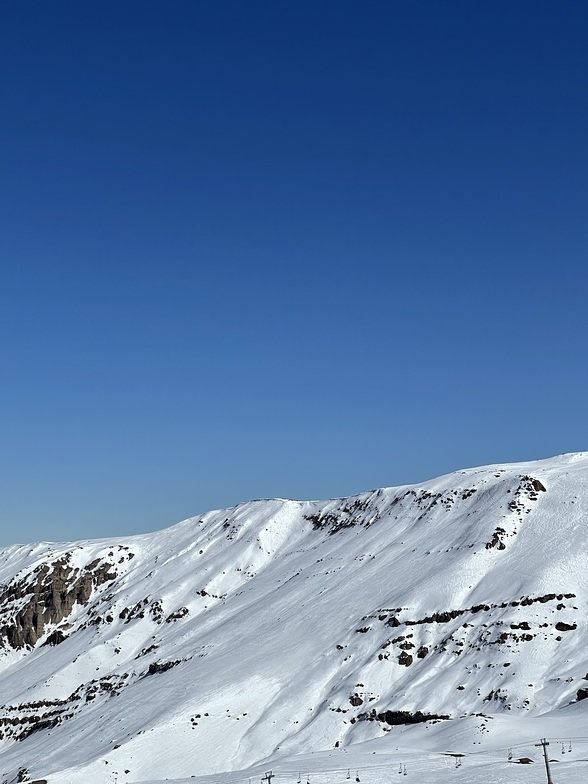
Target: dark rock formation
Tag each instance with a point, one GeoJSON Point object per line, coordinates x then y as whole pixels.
{"type": "Point", "coordinates": [497, 540]}
{"type": "Point", "coordinates": [405, 717]}
{"type": "Point", "coordinates": [47, 596]}
{"type": "Point", "coordinates": [396, 718]}
{"type": "Point", "coordinates": [55, 638]}
{"type": "Point", "coordinates": [156, 667]}
{"type": "Point", "coordinates": [175, 616]}
{"type": "Point", "coordinates": [405, 659]}
{"type": "Point", "coordinates": [565, 627]}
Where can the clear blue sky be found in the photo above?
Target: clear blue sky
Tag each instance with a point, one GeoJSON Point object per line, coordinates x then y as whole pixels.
{"type": "Point", "coordinates": [299, 248]}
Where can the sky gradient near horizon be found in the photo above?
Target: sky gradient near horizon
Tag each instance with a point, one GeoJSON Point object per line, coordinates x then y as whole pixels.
{"type": "Point", "coordinates": [296, 249]}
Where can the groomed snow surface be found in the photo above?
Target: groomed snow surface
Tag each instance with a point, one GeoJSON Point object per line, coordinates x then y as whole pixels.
{"type": "Point", "coordinates": [298, 637]}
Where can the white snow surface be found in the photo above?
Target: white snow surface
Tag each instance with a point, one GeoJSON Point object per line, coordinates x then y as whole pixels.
{"type": "Point", "coordinates": [280, 636]}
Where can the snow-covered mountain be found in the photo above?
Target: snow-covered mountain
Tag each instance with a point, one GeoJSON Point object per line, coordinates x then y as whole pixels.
{"type": "Point", "coordinates": [309, 637]}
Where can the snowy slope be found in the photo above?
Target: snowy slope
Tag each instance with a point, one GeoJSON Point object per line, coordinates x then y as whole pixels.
{"type": "Point", "coordinates": [307, 636]}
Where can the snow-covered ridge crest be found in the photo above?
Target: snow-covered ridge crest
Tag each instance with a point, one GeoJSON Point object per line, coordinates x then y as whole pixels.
{"type": "Point", "coordinates": [280, 627]}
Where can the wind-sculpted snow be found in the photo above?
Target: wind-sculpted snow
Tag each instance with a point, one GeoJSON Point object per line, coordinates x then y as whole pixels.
{"type": "Point", "coordinates": [278, 629]}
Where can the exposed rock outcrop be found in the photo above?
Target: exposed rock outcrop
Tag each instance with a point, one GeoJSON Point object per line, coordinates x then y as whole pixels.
{"type": "Point", "coordinates": [45, 596]}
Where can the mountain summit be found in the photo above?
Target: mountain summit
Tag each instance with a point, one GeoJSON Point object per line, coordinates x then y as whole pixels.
{"type": "Point", "coordinates": [279, 629]}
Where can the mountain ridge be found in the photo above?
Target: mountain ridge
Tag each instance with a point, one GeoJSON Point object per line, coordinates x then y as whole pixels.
{"type": "Point", "coordinates": [277, 628]}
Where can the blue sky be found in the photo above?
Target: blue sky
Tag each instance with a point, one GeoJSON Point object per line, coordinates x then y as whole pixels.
{"type": "Point", "coordinates": [294, 249]}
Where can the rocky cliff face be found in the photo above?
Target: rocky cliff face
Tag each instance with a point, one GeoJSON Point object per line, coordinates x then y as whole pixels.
{"type": "Point", "coordinates": [45, 597]}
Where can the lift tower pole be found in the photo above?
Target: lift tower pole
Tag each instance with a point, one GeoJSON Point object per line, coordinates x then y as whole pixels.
{"type": "Point", "coordinates": [545, 744]}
